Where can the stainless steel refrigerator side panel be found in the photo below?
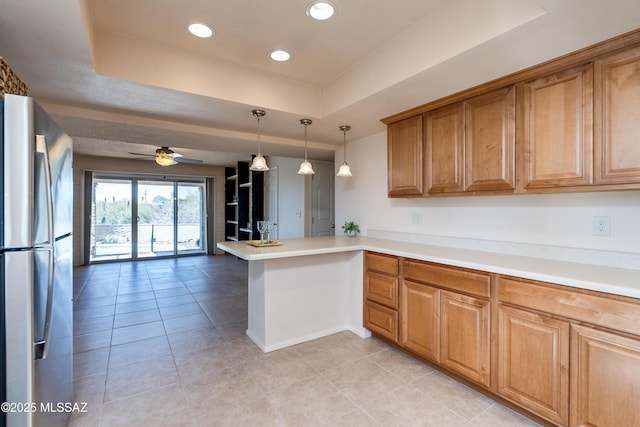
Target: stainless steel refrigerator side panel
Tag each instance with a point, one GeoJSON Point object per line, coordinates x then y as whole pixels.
{"type": "Point", "coordinates": [18, 281]}
{"type": "Point", "coordinates": [18, 177]}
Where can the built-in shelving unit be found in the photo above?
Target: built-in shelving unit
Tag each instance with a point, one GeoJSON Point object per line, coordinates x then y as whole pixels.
{"type": "Point", "coordinates": [244, 194]}
{"type": "Point", "coordinates": [231, 204]}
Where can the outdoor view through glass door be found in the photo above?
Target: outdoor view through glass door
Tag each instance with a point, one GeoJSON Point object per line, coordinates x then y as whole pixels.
{"type": "Point", "coordinates": [146, 218]}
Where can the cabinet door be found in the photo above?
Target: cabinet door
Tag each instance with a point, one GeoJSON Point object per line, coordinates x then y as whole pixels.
{"type": "Point", "coordinates": [617, 85]}
{"type": "Point", "coordinates": [558, 129]}
{"type": "Point", "coordinates": [533, 361]}
{"type": "Point", "coordinates": [464, 336]}
{"type": "Point", "coordinates": [444, 148]}
{"type": "Point", "coordinates": [404, 157]}
{"type": "Point", "coordinates": [490, 141]}
{"type": "Point", "coordinates": [605, 379]}
{"type": "Point", "coordinates": [420, 319]}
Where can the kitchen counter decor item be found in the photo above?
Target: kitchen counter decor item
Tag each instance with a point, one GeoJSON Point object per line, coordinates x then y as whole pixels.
{"type": "Point", "coordinates": [9, 81]}
{"type": "Point", "coordinates": [263, 244]}
{"type": "Point", "coordinates": [350, 228]}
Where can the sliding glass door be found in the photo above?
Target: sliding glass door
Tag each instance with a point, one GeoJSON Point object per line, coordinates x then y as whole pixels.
{"type": "Point", "coordinates": [139, 218]}
{"type": "Point", "coordinates": [111, 219]}
{"type": "Point", "coordinates": [156, 219]}
{"type": "Point", "coordinates": [190, 217]}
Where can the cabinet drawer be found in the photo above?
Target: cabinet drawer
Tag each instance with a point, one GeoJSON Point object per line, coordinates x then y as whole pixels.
{"type": "Point", "coordinates": [381, 288]}
{"type": "Point", "coordinates": [383, 263]}
{"type": "Point", "coordinates": [619, 313]}
{"type": "Point", "coordinates": [381, 320]}
{"type": "Point", "coordinates": [466, 281]}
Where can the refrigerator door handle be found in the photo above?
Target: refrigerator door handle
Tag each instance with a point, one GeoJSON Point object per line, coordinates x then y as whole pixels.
{"type": "Point", "coordinates": [41, 148]}
{"type": "Point", "coordinates": [41, 346]}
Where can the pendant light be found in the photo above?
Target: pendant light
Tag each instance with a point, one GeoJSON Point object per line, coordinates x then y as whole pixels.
{"type": "Point", "coordinates": [305, 166]}
{"type": "Point", "coordinates": [259, 163]}
{"type": "Point", "coordinates": [344, 170]}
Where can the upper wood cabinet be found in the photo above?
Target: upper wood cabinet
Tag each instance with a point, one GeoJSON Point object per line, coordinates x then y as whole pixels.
{"type": "Point", "coordinates": [470, 145]}
{"type": "Point", "coordinates": [404, 157]}
{"type": "Point", "coordinates": [570, 124]}
{"type": "Point", "coordinates": [444, 147]}
{"type": "Point", "coordinates": [617, 136]}
{"type": "Point", "coordinates": [558, 129]}
{"type": "Point", "coordinates": [490, 141]}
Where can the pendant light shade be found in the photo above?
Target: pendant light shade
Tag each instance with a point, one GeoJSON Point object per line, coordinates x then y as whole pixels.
{"type": "Point", "coordinates": [344, 170]}
{"type": "Point", "coordinates": [259, 163]}
{"type": "Point", "coordinates": [305, 166]}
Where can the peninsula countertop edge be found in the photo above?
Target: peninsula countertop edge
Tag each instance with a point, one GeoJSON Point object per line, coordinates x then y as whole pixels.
{"type": "Point", "coordinates": [612, 280]}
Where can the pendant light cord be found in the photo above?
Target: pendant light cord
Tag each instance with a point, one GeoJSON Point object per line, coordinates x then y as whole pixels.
{"type": "Point", "coordinates": [344, 141]}
{"type": "Point", "coordinates": [258, 135]}
{"type": "Point", "coordinates": [305, 142]}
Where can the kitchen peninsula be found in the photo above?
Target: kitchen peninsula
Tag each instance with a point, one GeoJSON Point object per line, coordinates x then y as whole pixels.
{"type": "Point", "coordinates": [311, 287]}
{"type": "Point", "coordinates": [492, 320]}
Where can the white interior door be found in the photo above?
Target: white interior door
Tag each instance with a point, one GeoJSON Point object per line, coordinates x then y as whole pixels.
{"type": "Point", "coordinates": [323, 211]}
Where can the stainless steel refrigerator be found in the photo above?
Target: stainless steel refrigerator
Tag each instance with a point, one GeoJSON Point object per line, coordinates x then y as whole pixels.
{"type": "Point", "coordinates": [36, 266]}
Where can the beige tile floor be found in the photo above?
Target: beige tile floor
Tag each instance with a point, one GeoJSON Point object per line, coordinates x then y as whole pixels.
{"type": "Point", "coordinates": [162, 343]}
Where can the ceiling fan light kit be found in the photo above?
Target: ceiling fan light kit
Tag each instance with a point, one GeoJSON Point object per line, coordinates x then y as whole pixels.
{"type": "Point", "coordinates": [166, 157]}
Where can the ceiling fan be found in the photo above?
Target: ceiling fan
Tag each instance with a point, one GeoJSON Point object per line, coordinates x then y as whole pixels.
{"type": "Point", "coordinates": [166, 157]}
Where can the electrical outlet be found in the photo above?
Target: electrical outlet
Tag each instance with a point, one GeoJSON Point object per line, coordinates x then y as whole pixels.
{"type": "Point", "coordinates": [601, 226]}
{"type": "Point", "coordinates": [417, 218]}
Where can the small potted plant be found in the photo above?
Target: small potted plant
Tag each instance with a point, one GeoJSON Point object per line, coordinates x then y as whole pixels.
{"type": "Point", "coordinates": [350, 228]}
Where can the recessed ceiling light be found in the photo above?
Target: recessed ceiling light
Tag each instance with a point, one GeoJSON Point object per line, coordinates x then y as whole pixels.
{"type": "Point", "coordinates": [199, 29]}
{"type": "Point", "coordinates": [321, 10]}
{"type": "Point", "coordinates": [279, 55]}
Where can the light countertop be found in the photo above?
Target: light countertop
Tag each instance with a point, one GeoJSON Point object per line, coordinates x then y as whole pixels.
{"type": "Point", "coordinates": [618, 281]}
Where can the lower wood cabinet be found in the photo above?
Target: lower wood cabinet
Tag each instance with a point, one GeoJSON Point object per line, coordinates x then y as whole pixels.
{"type": "Point", "coordinates": [605, 378]}
{"type": "Point", "coordinates": [464, 336]}
{"type": "Point", "coordinates": [444, 317]}
{"type": "Point", "coordinates": [420, 319]}
{"type": "Point", "coordinates": [533, 361]}
{"type": "Point", "coordinates": [569, 356]}
{"type": "Point", "coordinates": [381, 294]}
{"type": "Point", "coordinates": [381, 320]}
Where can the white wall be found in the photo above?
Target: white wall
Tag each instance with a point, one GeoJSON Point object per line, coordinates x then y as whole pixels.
{"type": "Point", "coordinates": [563, 220]}
{"type": "Point", "coordinates": [291, 191]}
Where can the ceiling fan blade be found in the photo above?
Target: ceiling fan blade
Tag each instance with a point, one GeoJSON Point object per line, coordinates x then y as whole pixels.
{"type": "Point", "coordinates": [186, 160]}
{"type": "Point", "coordinates": [176, 155]}
{"type": "Point", "coordinates": [144, 155]}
